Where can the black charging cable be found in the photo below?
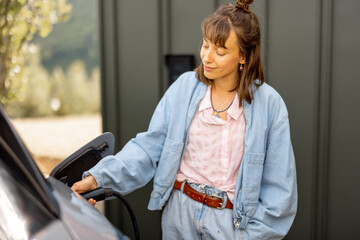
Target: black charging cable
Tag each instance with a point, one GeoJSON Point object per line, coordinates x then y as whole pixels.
{"type": "Point", "coordinates": [100, 194]}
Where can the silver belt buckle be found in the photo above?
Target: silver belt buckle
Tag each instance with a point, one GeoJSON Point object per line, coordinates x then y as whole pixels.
{"type": "Point", "coordinates": [222, 204]}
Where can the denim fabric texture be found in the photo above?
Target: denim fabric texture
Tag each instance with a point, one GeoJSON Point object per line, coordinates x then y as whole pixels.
{"type": "Point", "coordinates": [265, 200]}
{"type": "Point", "coordinates": [184, 218]}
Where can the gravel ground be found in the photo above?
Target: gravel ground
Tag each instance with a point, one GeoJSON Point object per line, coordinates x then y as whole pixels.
{"type": "Point", "coordinates": [51, 140]}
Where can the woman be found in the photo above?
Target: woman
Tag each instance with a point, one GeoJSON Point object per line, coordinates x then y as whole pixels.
{"type": "Point", "coordinates": [218, 145]}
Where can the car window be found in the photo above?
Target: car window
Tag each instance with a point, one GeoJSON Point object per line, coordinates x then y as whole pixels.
{"type": "Point", "coordinates": [21, 212]}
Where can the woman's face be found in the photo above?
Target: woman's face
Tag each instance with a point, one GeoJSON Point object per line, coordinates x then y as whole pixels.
{"type": "Point", "coordinates": [221, 62]}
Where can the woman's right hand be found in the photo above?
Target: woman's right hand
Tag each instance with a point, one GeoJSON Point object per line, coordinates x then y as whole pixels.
{"type": "Point", "coordinates": [87, 184]}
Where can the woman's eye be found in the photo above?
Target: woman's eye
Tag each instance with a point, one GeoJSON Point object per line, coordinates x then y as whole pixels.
{"type": "Point", "coordinates": [205, 46]}
{"type": "Point", "coordinates": [221, 54]}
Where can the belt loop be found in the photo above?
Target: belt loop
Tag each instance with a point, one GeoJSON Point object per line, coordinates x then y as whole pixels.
{"type": "Point", "coordinates": [182, 186]}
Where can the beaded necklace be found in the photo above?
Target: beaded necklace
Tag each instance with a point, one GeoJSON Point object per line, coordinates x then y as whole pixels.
{"type": "Point", "coordinates": [216, 113]}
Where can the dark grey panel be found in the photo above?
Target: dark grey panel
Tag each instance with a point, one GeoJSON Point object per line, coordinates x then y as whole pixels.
{"type": "Point", "coordinates": [138, 89]}
{"type": "Point", "coordinates": [322, 159]}
{"type": "Point", "coordinates": [109, 86]}
{"type": "Point", "coordinates": [344, 165]}
{"type": "Point", "coordinates": [261, 10]}
{"type": "Point", "coordinates": [186, 17]}
{"type": "Point", "coordinates": [293, 62]}
{"type": "Point", "coordinates": [138, 51]}
{"type": "Point", "coordinates": [109, 73]}
{"type": "Point", "coordinates": [130, 81]}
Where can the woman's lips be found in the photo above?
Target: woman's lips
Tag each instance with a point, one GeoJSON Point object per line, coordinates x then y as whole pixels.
{"type": "Point", "coordinates": [208, 69]}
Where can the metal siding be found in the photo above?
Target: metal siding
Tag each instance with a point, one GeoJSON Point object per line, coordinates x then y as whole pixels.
{"type": "Point", "coordinates": [108, 62]}
{"type": "Point", "coordinates": [186, 17]}
{"type": "Point", "coordinates": [344, 191]}
{"type": "Point", "coordinates": [296, 42]}
{"type": "Point", "coordinates": [261, 9]}
{"type": "Point", "coordinates": [130, 82]}
{"type": "Point", "coordinates": [293, 72]}
{"type": "Point", "coordinates": [320, 204]}
{"type": "Point", "coordinates": [138, 51]}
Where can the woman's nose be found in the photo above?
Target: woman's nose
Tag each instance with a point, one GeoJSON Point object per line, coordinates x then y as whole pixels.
{"type": "Point", "coordinates": [208, 56]}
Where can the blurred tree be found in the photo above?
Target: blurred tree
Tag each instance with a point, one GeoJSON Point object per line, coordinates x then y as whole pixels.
{"type": "Point", "coordinates": [76, 39]}
{"type": "Point", "coordinates": [77, 87]}
{"type": "Point", "coordinates": [59, 93]}
{"type": "Point", "coordinates": [94, 91]}
{"type": "Point", "coordinates": [19, 21]}
{"type": "Point", "coordinates": [74, 92]}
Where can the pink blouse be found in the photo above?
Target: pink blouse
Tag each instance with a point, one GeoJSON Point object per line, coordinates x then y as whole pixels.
{"type": "Point", "coordinates": [215, 147]}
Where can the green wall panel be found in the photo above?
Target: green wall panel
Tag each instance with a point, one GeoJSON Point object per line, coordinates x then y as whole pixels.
{"type": "Point", "coordinates": [344, 178]}
{"type": "Point", "coordinates": [293, 64]}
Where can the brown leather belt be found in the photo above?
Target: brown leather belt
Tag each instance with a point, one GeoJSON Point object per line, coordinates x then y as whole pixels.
{"type": "Point", "coordinates": [212, 201]}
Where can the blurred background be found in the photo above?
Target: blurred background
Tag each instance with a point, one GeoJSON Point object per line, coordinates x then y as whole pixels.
{"type": "Point", "coordinates": [50, 74]}
{"type": "Point", "coordinates": [71, 69]}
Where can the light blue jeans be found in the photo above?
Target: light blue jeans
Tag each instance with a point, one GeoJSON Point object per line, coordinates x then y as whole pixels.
{"type": "Point", "coordinates": [185, 218]}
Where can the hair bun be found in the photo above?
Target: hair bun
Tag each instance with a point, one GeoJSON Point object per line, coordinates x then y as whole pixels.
{"type": "Point", "coordinates": [243, 4]}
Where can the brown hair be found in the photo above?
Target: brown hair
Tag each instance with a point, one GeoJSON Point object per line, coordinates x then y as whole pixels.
{"type": "Point", "coordinates": [216, 28]}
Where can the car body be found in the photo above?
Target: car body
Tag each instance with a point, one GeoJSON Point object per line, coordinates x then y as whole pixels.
{"type": "Point", "coordinates": [35, 207]}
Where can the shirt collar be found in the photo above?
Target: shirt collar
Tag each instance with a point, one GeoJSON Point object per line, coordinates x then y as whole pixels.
{"type": "Point", "coordinates": [234, 111]}
{"type": "Point", "coordinates": [206, 103]}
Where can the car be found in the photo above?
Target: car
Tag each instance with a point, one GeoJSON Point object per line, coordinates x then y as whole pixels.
{"type": "Point", "coordinates": [35, 207]}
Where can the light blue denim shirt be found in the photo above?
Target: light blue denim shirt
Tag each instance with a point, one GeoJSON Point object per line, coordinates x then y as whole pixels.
{"type": "Point", "coordinates": [265, 200]}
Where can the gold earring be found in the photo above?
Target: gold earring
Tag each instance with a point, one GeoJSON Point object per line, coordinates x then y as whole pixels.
{"type": "Point", "coordinates": [241, 67]}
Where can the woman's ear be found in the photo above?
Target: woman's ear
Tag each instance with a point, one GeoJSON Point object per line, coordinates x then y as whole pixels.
{"type": "Point", "coordinates": [242, 59]}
